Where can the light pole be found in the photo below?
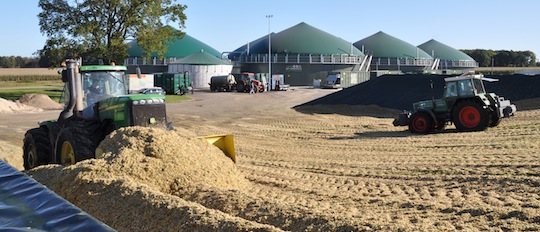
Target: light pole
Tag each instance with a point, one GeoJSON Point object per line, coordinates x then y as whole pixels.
{"type": "Point", "coordinates": [269, 83]}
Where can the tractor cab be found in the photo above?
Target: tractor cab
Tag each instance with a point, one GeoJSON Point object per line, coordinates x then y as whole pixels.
{"type": "Point", "coordinates": [100, 83]}
{"type": "Point", "coordinates": [464, 86]}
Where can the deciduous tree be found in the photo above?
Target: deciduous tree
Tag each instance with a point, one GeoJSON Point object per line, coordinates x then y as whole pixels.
{"type": "Point", "coordinates": [98, 29]}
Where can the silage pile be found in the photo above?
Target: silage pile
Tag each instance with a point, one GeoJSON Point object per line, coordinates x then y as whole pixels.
{"type": "Point", "coordinates": [139, 182]}
{"type": "Point", "coordinates": [9, 107]}
{"type": "Point", "coordinates": [42, 101]}
{"type": "Point", "coordinates": [399, 92]}
{"type": "Point", "coordinates": [11, 154]}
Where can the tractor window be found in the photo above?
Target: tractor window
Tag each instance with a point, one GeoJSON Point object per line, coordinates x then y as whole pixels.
{"type": "Point", "coordinates": [465, 88]}
{"type": "Point", "coordinates": [478, 86]}
{"type": "Point", "coordinates": [102, 85]}
{"type": "Point", "coordinates": [451, 89]}
{"type": "Point", "coordinates": [109, 83]}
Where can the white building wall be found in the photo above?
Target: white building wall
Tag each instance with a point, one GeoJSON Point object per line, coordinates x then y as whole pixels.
{"type": "Point", "coordinates": [200, 74]}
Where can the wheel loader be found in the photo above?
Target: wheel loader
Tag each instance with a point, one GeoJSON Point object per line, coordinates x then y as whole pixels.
{"type": "Point", "coordinates": [465, 103]}
{"type": "Point", "coordinates": [96, 103]}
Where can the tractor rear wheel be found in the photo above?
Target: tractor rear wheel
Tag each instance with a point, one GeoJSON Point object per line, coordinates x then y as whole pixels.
{"type": "Point", "coordinates": [36, 148]}
{"type": "Point", "coordinates": [78, 141]}
{"type": "Point", "coordinates": [421, 123]}
{"type": "Point", "coordinates": [470, 116]}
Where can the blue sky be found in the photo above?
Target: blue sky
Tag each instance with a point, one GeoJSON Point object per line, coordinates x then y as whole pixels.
{"type": "Point", "coordinates": [227, 25]}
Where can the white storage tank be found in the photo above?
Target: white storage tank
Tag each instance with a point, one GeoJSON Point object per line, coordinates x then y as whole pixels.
{"type": "Point", "coordinates": [201, 67]}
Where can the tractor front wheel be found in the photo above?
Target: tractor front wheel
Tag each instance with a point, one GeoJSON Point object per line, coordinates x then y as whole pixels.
{"type": "Point", "coordinates": [36, 148]}
{"type": "Point", "coordinates": [470, 116]}
{"type": "Point", "coordinates": [495, 119]}
{"type": "Point", "coordinates": [421, 123]}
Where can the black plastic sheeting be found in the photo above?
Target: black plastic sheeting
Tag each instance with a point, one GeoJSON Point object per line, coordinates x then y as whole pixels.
{"type": "Point", "coordinates": [401, 91]}
{"type": "Point", "coordinates": [26, 205]}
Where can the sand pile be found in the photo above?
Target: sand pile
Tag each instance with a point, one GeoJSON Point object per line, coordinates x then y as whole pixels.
{"type": "Point", "coordinates": [9, 107]}
{"type": "Point", "coordinates": [42, 101]}
{"type": "Point", "coordinates": [138, 183]}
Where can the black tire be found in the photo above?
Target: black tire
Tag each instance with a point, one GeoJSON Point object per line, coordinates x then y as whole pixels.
{"type": "Point", "coordinates": [421, 123]}
{"type": "Point", "coordinates": [470, 116]}
{"type": "Point", "coordinates": [36, 148]}
{"type": "Point", "coordinates": [495, 119]}
{"type": "Point", "coordinates": [78, 140]}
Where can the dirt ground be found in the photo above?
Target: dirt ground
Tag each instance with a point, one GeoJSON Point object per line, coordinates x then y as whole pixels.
{"type": "Point", "coordinates": [326, 168]}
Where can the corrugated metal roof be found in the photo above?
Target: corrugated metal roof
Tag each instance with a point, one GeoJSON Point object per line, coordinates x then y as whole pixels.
{"type": "Point", "coordinates": [178, 48]}
{"type": "Point", "coordinates": [304, 39]}
{"type": "Point", "coordinates": [381, 44]}
{"type": "Point", "coordinates": [202, 58]}
{"type": "Point", "coordinates": [443, 51]}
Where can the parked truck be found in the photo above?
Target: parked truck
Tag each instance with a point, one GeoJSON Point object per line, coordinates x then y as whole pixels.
{"type": "Point", "coordinates": [222, 83]}
{"type": "Point", "coordinates": [465, 103]}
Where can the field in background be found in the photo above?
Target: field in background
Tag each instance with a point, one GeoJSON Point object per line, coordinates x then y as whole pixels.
{"type": "Point", "coordinates": [28, 72]}
{"type": "Point", "coordinates": [504, 70]}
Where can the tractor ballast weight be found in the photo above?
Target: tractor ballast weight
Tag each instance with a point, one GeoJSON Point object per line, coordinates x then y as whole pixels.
{"type": "Point", "coordinates": [465, 103]}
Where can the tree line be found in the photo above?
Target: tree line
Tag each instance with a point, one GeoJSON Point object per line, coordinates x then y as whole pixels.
{"type": "Point", "coordinates": [19, 62]}
{"type": "Point", "coordinates": [503, 58]}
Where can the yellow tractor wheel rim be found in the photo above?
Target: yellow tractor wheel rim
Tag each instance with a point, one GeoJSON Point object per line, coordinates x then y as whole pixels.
{"type": "Point", "coordinates": [67, 155]}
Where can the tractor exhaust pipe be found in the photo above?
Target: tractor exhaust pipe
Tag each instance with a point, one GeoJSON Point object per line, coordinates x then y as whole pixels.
{"type": "Point", "coordinates": [68, 75]}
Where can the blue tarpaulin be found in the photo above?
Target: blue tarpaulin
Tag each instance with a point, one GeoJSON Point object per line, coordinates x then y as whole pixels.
{"type": "Point", "coordinates": [26, 205]}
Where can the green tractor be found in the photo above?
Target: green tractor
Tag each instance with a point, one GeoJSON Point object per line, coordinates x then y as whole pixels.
{"type": "Point", "coordinates": [96, 103]}
{"type": "Point", "coordinates": [465, 103]}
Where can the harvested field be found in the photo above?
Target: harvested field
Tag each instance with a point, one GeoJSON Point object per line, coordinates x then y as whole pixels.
{"type": "Point", "coordinates": [312, 168]}
{"type": "Point", "coordinates": [27, 71]}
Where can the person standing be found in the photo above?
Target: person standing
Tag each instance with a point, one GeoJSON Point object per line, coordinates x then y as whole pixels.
{"type": "Point", "coordinates": [252, 89]}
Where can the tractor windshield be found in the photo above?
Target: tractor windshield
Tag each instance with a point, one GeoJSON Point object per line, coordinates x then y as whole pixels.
{"type": "Point", "coordinates": [102, 85]}
{"type": "Point", "coordinates": [478, 86]}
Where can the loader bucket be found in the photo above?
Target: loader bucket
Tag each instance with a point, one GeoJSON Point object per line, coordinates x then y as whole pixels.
{"type": "Point", "coordinates": [223, 142]}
